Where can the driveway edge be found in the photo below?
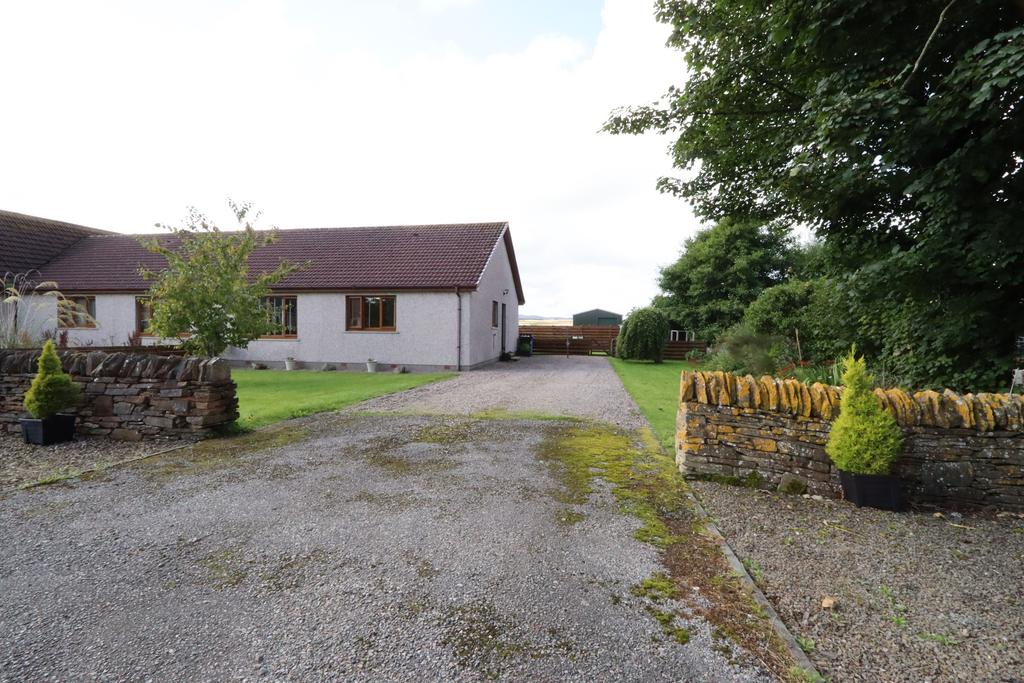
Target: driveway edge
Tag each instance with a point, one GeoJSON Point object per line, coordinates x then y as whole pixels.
{"type": "Point", "coordinates": [800, 657]}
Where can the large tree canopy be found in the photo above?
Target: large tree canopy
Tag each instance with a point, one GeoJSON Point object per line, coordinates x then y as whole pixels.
{"type": "Point", "coordinates": [894, 130]}
{"type": "Point", "coordinates": [721, 270]}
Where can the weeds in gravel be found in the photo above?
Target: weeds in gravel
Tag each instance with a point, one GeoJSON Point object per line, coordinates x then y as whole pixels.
{"type": "Point", "coordinates": [658, 587]}
{"type": "Point", "coordinates": [940, 638]}
{"type": "Point", "coordinates": [52, 477]}
{"type": "Point", "coordinates": [225, 567]}
{"type": "Point", "coordinates": [898, 614]}
{"type": "Point", "coordinates": [483, 639]}
{"type": "Point", "coordinates": [444, 434]}
{"type": "Point", "coordinates": [753, 568]}
{"type": "Point", "coordinates": [218, 454]}
{"type": "Point", "coordinates": [569, 517]}
{"type": "Point", "coordinates": [505, 414]}
{"type": "Point", "coordinates": [801, 675]}
{"type": "Point", "coordinates": [806, 644]}
{"type": "Point", "coordinates": [648, 486]}
{"type": "Point", "coordinates": [667, 622]}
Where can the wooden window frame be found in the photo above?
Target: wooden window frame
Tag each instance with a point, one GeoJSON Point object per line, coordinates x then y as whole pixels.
{"type": "Point", "coordinates": [357, 303]}
{"type": "Point", "coordinates": [90, 311]}
{"type": "Point", "coordinates": [295, 306]}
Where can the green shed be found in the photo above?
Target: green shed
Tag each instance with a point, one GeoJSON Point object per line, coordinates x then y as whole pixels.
{"type": "Point", "coordinates": [597, 317]}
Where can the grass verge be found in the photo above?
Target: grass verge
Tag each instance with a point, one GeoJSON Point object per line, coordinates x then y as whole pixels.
{"type": "Point", "coordinates": [268, 396]}
{"type": "Point", "coordinates": [655, 388]}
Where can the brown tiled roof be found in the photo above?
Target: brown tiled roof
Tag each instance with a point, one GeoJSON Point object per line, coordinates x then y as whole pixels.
{"type": "Point", "coordinates": [27, 242]}
{"type": "Point", "coordinates": [382, 258]}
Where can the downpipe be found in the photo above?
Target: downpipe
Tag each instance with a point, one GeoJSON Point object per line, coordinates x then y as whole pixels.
{"type": "Point", "coordinates": [458, 333]}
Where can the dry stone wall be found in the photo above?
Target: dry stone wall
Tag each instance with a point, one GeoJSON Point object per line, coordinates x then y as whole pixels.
{"type": "Point", "coordinates": [959, 450]}
{"type": "Point", "coordinates": [129, 396]}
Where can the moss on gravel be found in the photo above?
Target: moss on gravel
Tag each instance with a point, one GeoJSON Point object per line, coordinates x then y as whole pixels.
{"type": "Point", "coordinates": [648, 485]}
{"type": "Point", "coordinates": [217, 454]}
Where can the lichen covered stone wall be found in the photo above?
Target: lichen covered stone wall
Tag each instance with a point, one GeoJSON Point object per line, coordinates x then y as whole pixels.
{"type": "Point", "coordinates": [959, 450]}
{"type": "Point", "coordinates": [129, 396]}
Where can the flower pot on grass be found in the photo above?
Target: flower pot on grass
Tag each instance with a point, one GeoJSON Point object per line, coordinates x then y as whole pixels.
{"type": "Point", "coordinates": [865, 442]}
{"type": "Point", "coordinates": [51, 392]}
{"type": "Point", "coordinates": [371, 365]}
{"type": "Point", "coordinates": [290, 364]}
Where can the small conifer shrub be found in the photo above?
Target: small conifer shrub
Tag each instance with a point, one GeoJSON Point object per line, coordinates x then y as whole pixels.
{"type": "Point", "coordinates": [865, 438]}
{"type": "Point", "coordinates": [52, 389]}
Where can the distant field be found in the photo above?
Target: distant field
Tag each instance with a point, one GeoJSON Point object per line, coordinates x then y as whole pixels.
{"type": "Point", "coordinates": [566, 322]}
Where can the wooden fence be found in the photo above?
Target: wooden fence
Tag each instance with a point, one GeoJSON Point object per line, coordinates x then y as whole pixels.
{"type": "Point", "coordinates": [678, 350]}
{"type": "Point", "coordinates": [583, 340]}
{"type": "Point", "coordinates": [580, 340]}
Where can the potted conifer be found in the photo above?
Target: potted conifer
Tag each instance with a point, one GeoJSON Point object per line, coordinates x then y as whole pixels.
{"type": "Point", "coordinates": [51, 392]}
{"type": "Point", "coordinates": [865, 442]}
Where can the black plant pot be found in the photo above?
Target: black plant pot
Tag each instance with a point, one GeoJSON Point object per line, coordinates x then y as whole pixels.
{"type": "Point", "coordinates": [54, 429]}
{"type": "Point", "coordinates": [880, 491]}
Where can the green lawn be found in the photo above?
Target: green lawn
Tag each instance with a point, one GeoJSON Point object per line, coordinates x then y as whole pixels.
{"type": "Point", "coordinates": [655, 388]}
{"type": "Point", "coordinates": [266, 396]}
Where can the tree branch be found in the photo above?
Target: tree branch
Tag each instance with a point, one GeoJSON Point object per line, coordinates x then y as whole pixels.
{"type": "Point", "coordinates": [927, 44]}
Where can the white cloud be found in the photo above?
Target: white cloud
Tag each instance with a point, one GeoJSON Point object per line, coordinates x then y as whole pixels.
{"type": "Point", "coordinates": [122, 118]}
{"type": "Point", "coordinates": [444, 5]}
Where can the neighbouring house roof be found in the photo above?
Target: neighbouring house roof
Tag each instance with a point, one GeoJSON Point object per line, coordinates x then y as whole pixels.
{"type": "Point", "coordinates": [364, 258]}
{"type": "Point", "coordinates": [28, 243]}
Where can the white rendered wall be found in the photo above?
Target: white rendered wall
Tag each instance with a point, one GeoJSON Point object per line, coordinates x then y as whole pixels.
{"type": "Point", "coordinates": [426, 326]}
{"type": "Point", "coordinates": [425, 335]}
{"type": "Point", "coordinates": [115, 319]}
{"type": "Point", "coordinates": [485, 340]}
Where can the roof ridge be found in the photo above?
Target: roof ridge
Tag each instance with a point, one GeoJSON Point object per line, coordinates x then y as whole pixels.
{"type": "Point", "coordinates": [17, 214]}
{"type": "Point", "coordinates": [502, 225]}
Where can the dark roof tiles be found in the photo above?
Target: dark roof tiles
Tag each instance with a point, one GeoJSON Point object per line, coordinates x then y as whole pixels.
{"type": "Point", "coordinates": [27, 242]}
{"type": "Point", "coordinates": [384, 258]}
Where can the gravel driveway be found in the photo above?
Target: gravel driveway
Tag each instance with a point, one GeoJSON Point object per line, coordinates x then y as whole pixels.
{"type": "Point", "coordinates": [351, 546]}
{"type": "Point", "coordinates": [577, 386]}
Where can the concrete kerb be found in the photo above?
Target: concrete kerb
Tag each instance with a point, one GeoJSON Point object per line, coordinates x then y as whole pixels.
{"type": "Point", "coordinates": [800, 658]}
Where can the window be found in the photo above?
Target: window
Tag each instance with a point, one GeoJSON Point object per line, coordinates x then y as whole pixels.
{"type": "Point", "coordinates": [143, 314]}
{"type": "Point", "coordinates": [283, 312]}
{"type": "Point", "coordinates": [77, 311]}
{"type": "Point", "coordinates": [370, 313]}
{"type": "Point", "coordinates": [494, 314]}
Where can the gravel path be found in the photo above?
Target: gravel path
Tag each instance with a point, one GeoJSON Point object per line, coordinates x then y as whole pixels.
{"type": "Point", "coordinates": [22, 463]}
{"type": "Point", "coordinates": [918, 597]}
{"type": "Point", "coordinates": [363, 547]}
{"type": "Point", "coordinates": [577, 386]}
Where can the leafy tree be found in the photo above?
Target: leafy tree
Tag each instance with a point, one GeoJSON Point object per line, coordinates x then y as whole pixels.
{"type": "Point", "coordinates": [52, 389]}
{"type": "Point", "coordinates": [721, 270]}
{"type": "Point", "coordinates": [865, 438]}
{"type": "Point", "coordinates": [207, 292]}
{"type": "Point", "coordinates": [894, 130]}
{"type": "Point", "coordinates": [643, 335]}
{"type": "Point", "coordinates": [808, 309]}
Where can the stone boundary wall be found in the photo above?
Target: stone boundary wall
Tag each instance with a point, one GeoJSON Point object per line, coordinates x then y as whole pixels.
{"type": "Point", "coordinates": [958, 451]}
{"type": "Point", "coordinates": [129, 396]}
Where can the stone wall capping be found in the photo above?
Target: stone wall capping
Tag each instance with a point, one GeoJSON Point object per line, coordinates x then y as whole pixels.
{"type": "Point", "coordinates": [129, 396]}
{"type": "Point", "coordinates": [960, 450]}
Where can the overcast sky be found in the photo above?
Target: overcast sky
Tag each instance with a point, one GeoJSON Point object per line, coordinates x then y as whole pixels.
{"type": "Point", "coordinates": [119, 115]}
